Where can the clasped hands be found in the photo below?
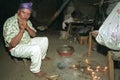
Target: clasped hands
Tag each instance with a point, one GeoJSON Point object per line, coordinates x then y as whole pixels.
{"type": "Point", "coordinates": [22, 24]}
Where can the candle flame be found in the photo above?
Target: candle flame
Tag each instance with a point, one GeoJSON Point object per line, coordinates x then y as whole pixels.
{"type": "Point", "coordinates": [98, 67]}
{"type": "Point", "coordinates": [73, 65]}
{"type": "Point", "coordinates": [86, 61]}
{"type": "Point", "coordinates": [89, 68]}
{"type": "Point", "coordinates": [105, 68]}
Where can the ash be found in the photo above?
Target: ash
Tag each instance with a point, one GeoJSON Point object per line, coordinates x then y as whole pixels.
{"type": "Point", "coordinates": [63, 68]}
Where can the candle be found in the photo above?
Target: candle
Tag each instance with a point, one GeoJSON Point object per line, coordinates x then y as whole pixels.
{"type": "Point", "coordinates": [105, 68]}
{"type": "Point", "coordinates": [93, 74]}
{"type": "Point", "coordinates": [74, 66]}
{"type": "Point", "coordinates": [86, 61]}
{"type": "Point", "coordinates": [97, 68]}
{"type": "Point", "coordinates": [89, 68]}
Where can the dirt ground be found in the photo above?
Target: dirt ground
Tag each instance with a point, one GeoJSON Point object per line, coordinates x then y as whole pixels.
{"type": "Point", "coordinates": [57, 66]}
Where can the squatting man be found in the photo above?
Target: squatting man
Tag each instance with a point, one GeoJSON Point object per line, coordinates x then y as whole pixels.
{"type": "Point", "coordinates": [19, 36]}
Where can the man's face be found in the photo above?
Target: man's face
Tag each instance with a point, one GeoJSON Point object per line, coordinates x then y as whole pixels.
{"type": "Point", "coordinates": [24, 14]}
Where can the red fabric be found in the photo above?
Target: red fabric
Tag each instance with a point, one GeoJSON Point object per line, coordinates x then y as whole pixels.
{"type": "Point", "coordinates": [9, 48]}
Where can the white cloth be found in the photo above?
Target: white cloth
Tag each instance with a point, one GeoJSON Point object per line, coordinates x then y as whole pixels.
{"type": "Point", "coordinates": [35, 50]}
{"type": "Point", "coordinates": [67, 20]}
{"type": "Point", "coordinates": [109, 34]}
{"type": "Point", "coordinates": [111, 5]}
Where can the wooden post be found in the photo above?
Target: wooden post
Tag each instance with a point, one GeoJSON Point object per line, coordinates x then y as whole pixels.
{"type": "Point", "coordinates": [68, 31]}
{"type": "Point", "coordinates": [63, 6]}
{"type": "Point", "coordinates": [90, 43]}
{"type": "Point", "coordinates": [110, 66]}
{"type": "Point", "coordinates": [83, 40]}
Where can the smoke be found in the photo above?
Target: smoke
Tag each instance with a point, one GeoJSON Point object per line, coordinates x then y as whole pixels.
{"type": "Point", "coordinates": [63, 65]}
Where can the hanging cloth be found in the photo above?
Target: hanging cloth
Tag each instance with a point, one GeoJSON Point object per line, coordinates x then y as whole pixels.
{"type": "Point", "coordinates": [109, 32]}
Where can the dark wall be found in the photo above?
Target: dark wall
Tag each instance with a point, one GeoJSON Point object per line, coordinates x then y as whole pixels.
{"type": "Point", "coordinates": [44, 11]}
{"type": "Point", "coordinates": [7, 9]}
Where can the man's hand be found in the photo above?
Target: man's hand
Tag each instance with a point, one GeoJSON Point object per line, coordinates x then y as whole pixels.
{"type": "Point", "coordinates": [22, 24]}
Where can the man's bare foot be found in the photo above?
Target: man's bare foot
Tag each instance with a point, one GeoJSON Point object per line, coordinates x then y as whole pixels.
{"type": "Point", "coordinates": [40, 74]}
{"type": "Point", "coordinates": [46, 59]}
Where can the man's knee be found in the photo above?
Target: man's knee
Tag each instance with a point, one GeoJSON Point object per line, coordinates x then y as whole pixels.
{"type": "Point", "coordinates": [36, 48]}
{"type": "Point", "coordinates": [46, 39]}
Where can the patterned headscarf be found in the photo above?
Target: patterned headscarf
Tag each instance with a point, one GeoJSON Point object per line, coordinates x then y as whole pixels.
{"type": "Point", "coordinates": [26, 6]}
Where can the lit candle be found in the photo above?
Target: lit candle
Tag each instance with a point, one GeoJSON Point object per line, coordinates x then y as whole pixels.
{"type": "Point", "coordinates": [93, 74]}
{"type": "Point", "coordinates": [97, 68]}
{"type": "Point", "coordinates": [105, 68]}
{"type": "Point", "coordinates": [89, 69]}
{"type": "Point", "coordinates": [86, 61]}
{"type": "Point", "coordinates": [95, 78]}
{"type": "Point", "coordinates": [74, 66]}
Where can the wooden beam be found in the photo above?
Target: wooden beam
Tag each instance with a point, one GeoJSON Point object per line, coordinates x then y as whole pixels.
{"type": "Point", "coordinates": [110, 66]}
{"type": "Point", "coordinates": [64, 5]}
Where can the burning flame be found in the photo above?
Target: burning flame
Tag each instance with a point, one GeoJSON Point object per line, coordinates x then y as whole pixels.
{"type": "Point", "coordinates": [74, 66]}
{"type": "Point", "coordinates": [89, 68]}
{"type": "Point", "coordinates": [97, 68]}
{"type": "Point", "coordinates": [86, 61]}
{"type": "Point", "coordinates": [105, 68]}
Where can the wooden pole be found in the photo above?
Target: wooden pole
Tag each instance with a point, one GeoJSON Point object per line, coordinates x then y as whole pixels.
{"type": "Point", "coordinates": [90, 43]}
{"type": "Point", "coordinates": [58, 12]}
{"type": "Point", "coordinates": [68, 31]}
{"type": "Point", "coordinates": [110, 66]}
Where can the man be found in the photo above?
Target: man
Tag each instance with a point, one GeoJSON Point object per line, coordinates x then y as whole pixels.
{"type": "Point", "coordinates": [19, 36]}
